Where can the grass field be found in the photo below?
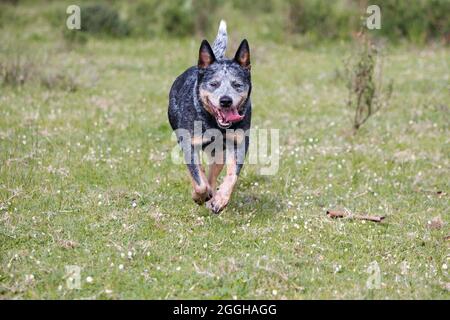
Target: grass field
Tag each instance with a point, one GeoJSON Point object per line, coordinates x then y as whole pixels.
{"type": "Point", "coordinates": [86, 178]}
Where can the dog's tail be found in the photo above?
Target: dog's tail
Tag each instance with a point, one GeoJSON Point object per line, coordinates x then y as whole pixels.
{"type": "Point", "coordinates": [220, 44]}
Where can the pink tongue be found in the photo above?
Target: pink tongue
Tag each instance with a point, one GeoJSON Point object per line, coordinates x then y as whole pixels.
{"type": "Point", "coordinates": [231, 115]}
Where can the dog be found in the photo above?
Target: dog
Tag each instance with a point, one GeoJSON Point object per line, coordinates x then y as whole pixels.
{"type": "Point", "coordinates": [211, 103]}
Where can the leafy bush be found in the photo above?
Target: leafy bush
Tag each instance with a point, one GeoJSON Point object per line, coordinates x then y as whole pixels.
{"type": "Point", "coordinates": [96, 19]}
{"type": "Point", "coordinates": [417, 21]}
{"type": "Point", "coordinates": [322, 19]}
{"type": "Point", "coordinates": [205, 15]}
{"type": "Point", "coordinates": [143, 18]}
{"type": "Point", "coordinates": [252, 6]}
{"type": "Point", "coordinates": [177, 18]}
{"type": "Point", "coordinates": [103, 19]}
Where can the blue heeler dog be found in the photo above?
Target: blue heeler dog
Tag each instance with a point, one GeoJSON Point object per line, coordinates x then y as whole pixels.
{"type": "Point", "coordinates": [211, 101]}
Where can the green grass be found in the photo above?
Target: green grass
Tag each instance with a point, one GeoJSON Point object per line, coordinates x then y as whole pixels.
{"type": "Point", "coordinates": [73, 163]}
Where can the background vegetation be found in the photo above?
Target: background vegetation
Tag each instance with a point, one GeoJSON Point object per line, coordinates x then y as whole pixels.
{"type": "Point", "coordinates": [86, 177]}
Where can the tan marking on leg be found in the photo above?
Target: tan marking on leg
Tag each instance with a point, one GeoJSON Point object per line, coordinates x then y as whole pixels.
{"type": "Point", "coordinates": [216, 164]}
{"type": "Point", "coordinates": [197, 141]}
{"type": "Point", "coordinates": [236, 136]}
{"type": "Point", "coordinates": [220, 200]}
{"type": "Point", "coordinates": [214, 172]}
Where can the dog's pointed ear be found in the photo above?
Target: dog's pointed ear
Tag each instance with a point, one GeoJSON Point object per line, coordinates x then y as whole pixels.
{"type": "Point", "coordinates": [205, 55]}
{"type": "Point", "coordinates": [243, 55]}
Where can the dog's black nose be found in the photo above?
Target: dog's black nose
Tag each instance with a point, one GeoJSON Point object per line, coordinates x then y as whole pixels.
{"type": "Point", "coordinates": [225, 101]}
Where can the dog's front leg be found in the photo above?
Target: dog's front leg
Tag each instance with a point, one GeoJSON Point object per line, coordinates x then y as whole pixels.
{"type": "Point", "coordinates": [221, 198]}
{"type": "Point", "coordinates": [201, 190]}
{"type": "Point", "coordinates": [235, 152]}
{"type": "Point", "coordinates": [234, 159]}
{"type": "Point", "coordinates": [216, 164]}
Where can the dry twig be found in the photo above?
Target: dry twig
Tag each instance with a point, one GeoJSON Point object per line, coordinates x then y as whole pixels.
{"type": "Point", "coordinates": [348, 215]}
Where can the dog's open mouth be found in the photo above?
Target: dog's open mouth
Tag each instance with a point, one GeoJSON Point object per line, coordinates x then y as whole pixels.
{"type": "Point", "coordinates": [225, 117]}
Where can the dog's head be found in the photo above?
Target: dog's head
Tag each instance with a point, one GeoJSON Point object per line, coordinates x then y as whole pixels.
{"type": "Point", "coordinates": [224, 85]}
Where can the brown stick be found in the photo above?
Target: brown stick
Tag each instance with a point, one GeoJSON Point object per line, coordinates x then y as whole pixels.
{"type": "Point", "coordinates": [343, 214]}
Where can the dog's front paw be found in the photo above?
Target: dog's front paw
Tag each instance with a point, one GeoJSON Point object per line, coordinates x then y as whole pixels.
{"type": "Point", "coordinates": [217, 203]}
{"type": "Point", "coordinates": [201, 196]}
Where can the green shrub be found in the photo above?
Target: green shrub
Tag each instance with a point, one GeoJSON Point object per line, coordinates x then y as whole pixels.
{"type": "Point", "coordinates": [96, 19]}
{"type": "Point", "coordinates": [252, 6]}
{"type": "Point", "coordinates": [322, 19]}
{"type": "Point", "coordinates": [178, 18]}
{"type": "Point", "coordinates": [417, 21]}
{"type": "Point", "coordinates": [144, 18]}
{"type": "Point", "coordinates": [438, 19]}
{"type": "Point", "coordinates": [150, 18]}
{"type": "Point", "coordinates": [205, 15]}
{"type": "Point", "coordinates": [103, 19]}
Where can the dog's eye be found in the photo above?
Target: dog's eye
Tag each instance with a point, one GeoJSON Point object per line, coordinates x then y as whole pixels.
{"type": "Point", "coordinates": [214, 84]}
{"type": "Point", "coordinates": [236, 85]}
